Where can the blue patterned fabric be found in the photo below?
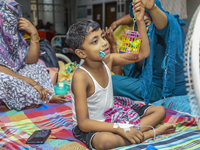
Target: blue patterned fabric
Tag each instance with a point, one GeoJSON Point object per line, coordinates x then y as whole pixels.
{"type": "Point", "coordinates": [178, 103]}
{"type": "Point", "coordinates": [17, 94]}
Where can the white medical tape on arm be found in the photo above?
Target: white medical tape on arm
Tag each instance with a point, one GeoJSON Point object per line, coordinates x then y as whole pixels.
{"type": "Point", "coordinates": [126, 127]}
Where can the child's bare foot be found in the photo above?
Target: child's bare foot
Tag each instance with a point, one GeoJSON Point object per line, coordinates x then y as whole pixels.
{"type": "Point", "coordinates": [164, 129]}
{"type": "Point", "coordinates": [58, 99]}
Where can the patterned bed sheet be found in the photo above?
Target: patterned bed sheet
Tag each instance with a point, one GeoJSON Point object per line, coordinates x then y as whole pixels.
{"type": "Point", "coordinates": [17, 126]}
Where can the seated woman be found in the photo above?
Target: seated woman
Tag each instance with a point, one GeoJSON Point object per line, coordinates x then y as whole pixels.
{"type": "Point", "coordinates": [161, 75]}
{"type": "Point", "coordinates": [24, 83]}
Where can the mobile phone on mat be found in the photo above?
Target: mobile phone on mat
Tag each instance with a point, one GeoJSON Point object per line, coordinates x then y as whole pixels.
{"type": "Point", "coordinates": [38, 137]}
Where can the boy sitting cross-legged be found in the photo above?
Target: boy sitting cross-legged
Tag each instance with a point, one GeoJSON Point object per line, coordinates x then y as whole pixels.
{"type": "Point", "coordinates": [92, 92]}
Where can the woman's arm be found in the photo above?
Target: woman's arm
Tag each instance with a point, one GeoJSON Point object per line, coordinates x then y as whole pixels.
{"type": "Point", "coordinates": [12, 73]}
{"type": "Point", "coordinates": [125, 20]}
{"type": "Point", "coordinates": [43, 92]}
{"type": "Point", "coordinates": [34, 49]}
{"type": "Point", "coordinates": [144, 47]}
{"type": "Point", "coordinates": [127, 58]}
{"type": "Point", "coordinates": [158, 16]}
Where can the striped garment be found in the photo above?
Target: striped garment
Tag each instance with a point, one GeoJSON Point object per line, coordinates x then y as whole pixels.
{"type": "Point", "coordinates": [17, 126]}
{"type": "Point", "coordinates": [122, 111]}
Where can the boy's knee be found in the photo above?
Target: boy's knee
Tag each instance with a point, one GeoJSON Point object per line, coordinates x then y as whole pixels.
{"type": "Point", "coordinates": [103, 146]}
{"type": "Point", "coordinates": [104, 143]}
{"type": "Point", "coordinates": [161, 111]}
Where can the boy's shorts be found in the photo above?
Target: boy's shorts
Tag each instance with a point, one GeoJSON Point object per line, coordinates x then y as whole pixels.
{"type": "Point", "coordinates": [141, 111]}
{"type": "Point", "coordinates": [85, 137]}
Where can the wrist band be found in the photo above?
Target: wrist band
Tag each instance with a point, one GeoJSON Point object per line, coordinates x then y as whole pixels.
{"type": "Point", "coordinates": [35, 84]}
{"type": "Point", "coordinates": [37, 40]}
{"type": "Point", "coordinates": [153, 7]}
{"type": "Point", "coordinates": [126, 127]}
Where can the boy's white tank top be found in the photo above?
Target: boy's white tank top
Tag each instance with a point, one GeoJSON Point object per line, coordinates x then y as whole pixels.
{"type": "Point", "coordinates": [99, 102]}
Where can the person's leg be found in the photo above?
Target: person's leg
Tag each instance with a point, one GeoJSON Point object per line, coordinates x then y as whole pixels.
{"type": "Point", "coordinates": [127, 87]}
{"type": "Point", "coordinates": [156, 93]}
{"type": "Point", "coordinates": [38, 73]}
{"type": "Point", "coordinates": [126, 69]}
{"type": "Point", "coordinates": [164, 129]}
{"type": "Point", "coordinates": [152, 117]}
{"type": "Point", "coordinates": [17, 94]}
{"type": "Point", "coordinates": [99, 140]}
{"type": "Point", "coordinates": [131, 88]}
{"type": "Point", "coordinates": [108, 140]}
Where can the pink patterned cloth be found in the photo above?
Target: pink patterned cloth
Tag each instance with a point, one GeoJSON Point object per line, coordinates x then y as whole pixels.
{"type": "Point", "coordinates": [123, 112]}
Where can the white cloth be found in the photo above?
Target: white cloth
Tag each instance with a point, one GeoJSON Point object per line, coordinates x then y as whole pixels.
{"type": "Point", "coordinates": [175, 7]}
{"type": "Point", "coordinates": [99, 102]}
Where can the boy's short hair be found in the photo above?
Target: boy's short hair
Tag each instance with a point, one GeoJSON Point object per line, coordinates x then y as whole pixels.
{"type": "Point", "coordinates": [79, 31]}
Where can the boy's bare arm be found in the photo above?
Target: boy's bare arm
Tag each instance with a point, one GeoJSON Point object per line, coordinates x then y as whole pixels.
{"type": "Point", "coordinates": [79, 87]}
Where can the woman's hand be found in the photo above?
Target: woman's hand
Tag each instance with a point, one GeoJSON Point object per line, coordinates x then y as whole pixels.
{"type": "Point", "coordinates": [148, 4]}
{"type": "Point", "coordinates": [34, 49]}
{"type": "Point", "coordinates": [138, 8]}
{"type": "Point", "coordinates": [43, 92]}
{"type": "Point", "coordinates": [113, 26]}
{"type": "Point", "coordinates": [110, 36]}
{"type": "Point", "coordinates": [24, 24]}
{"type": "Point", "coordinates": [58, 99]}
